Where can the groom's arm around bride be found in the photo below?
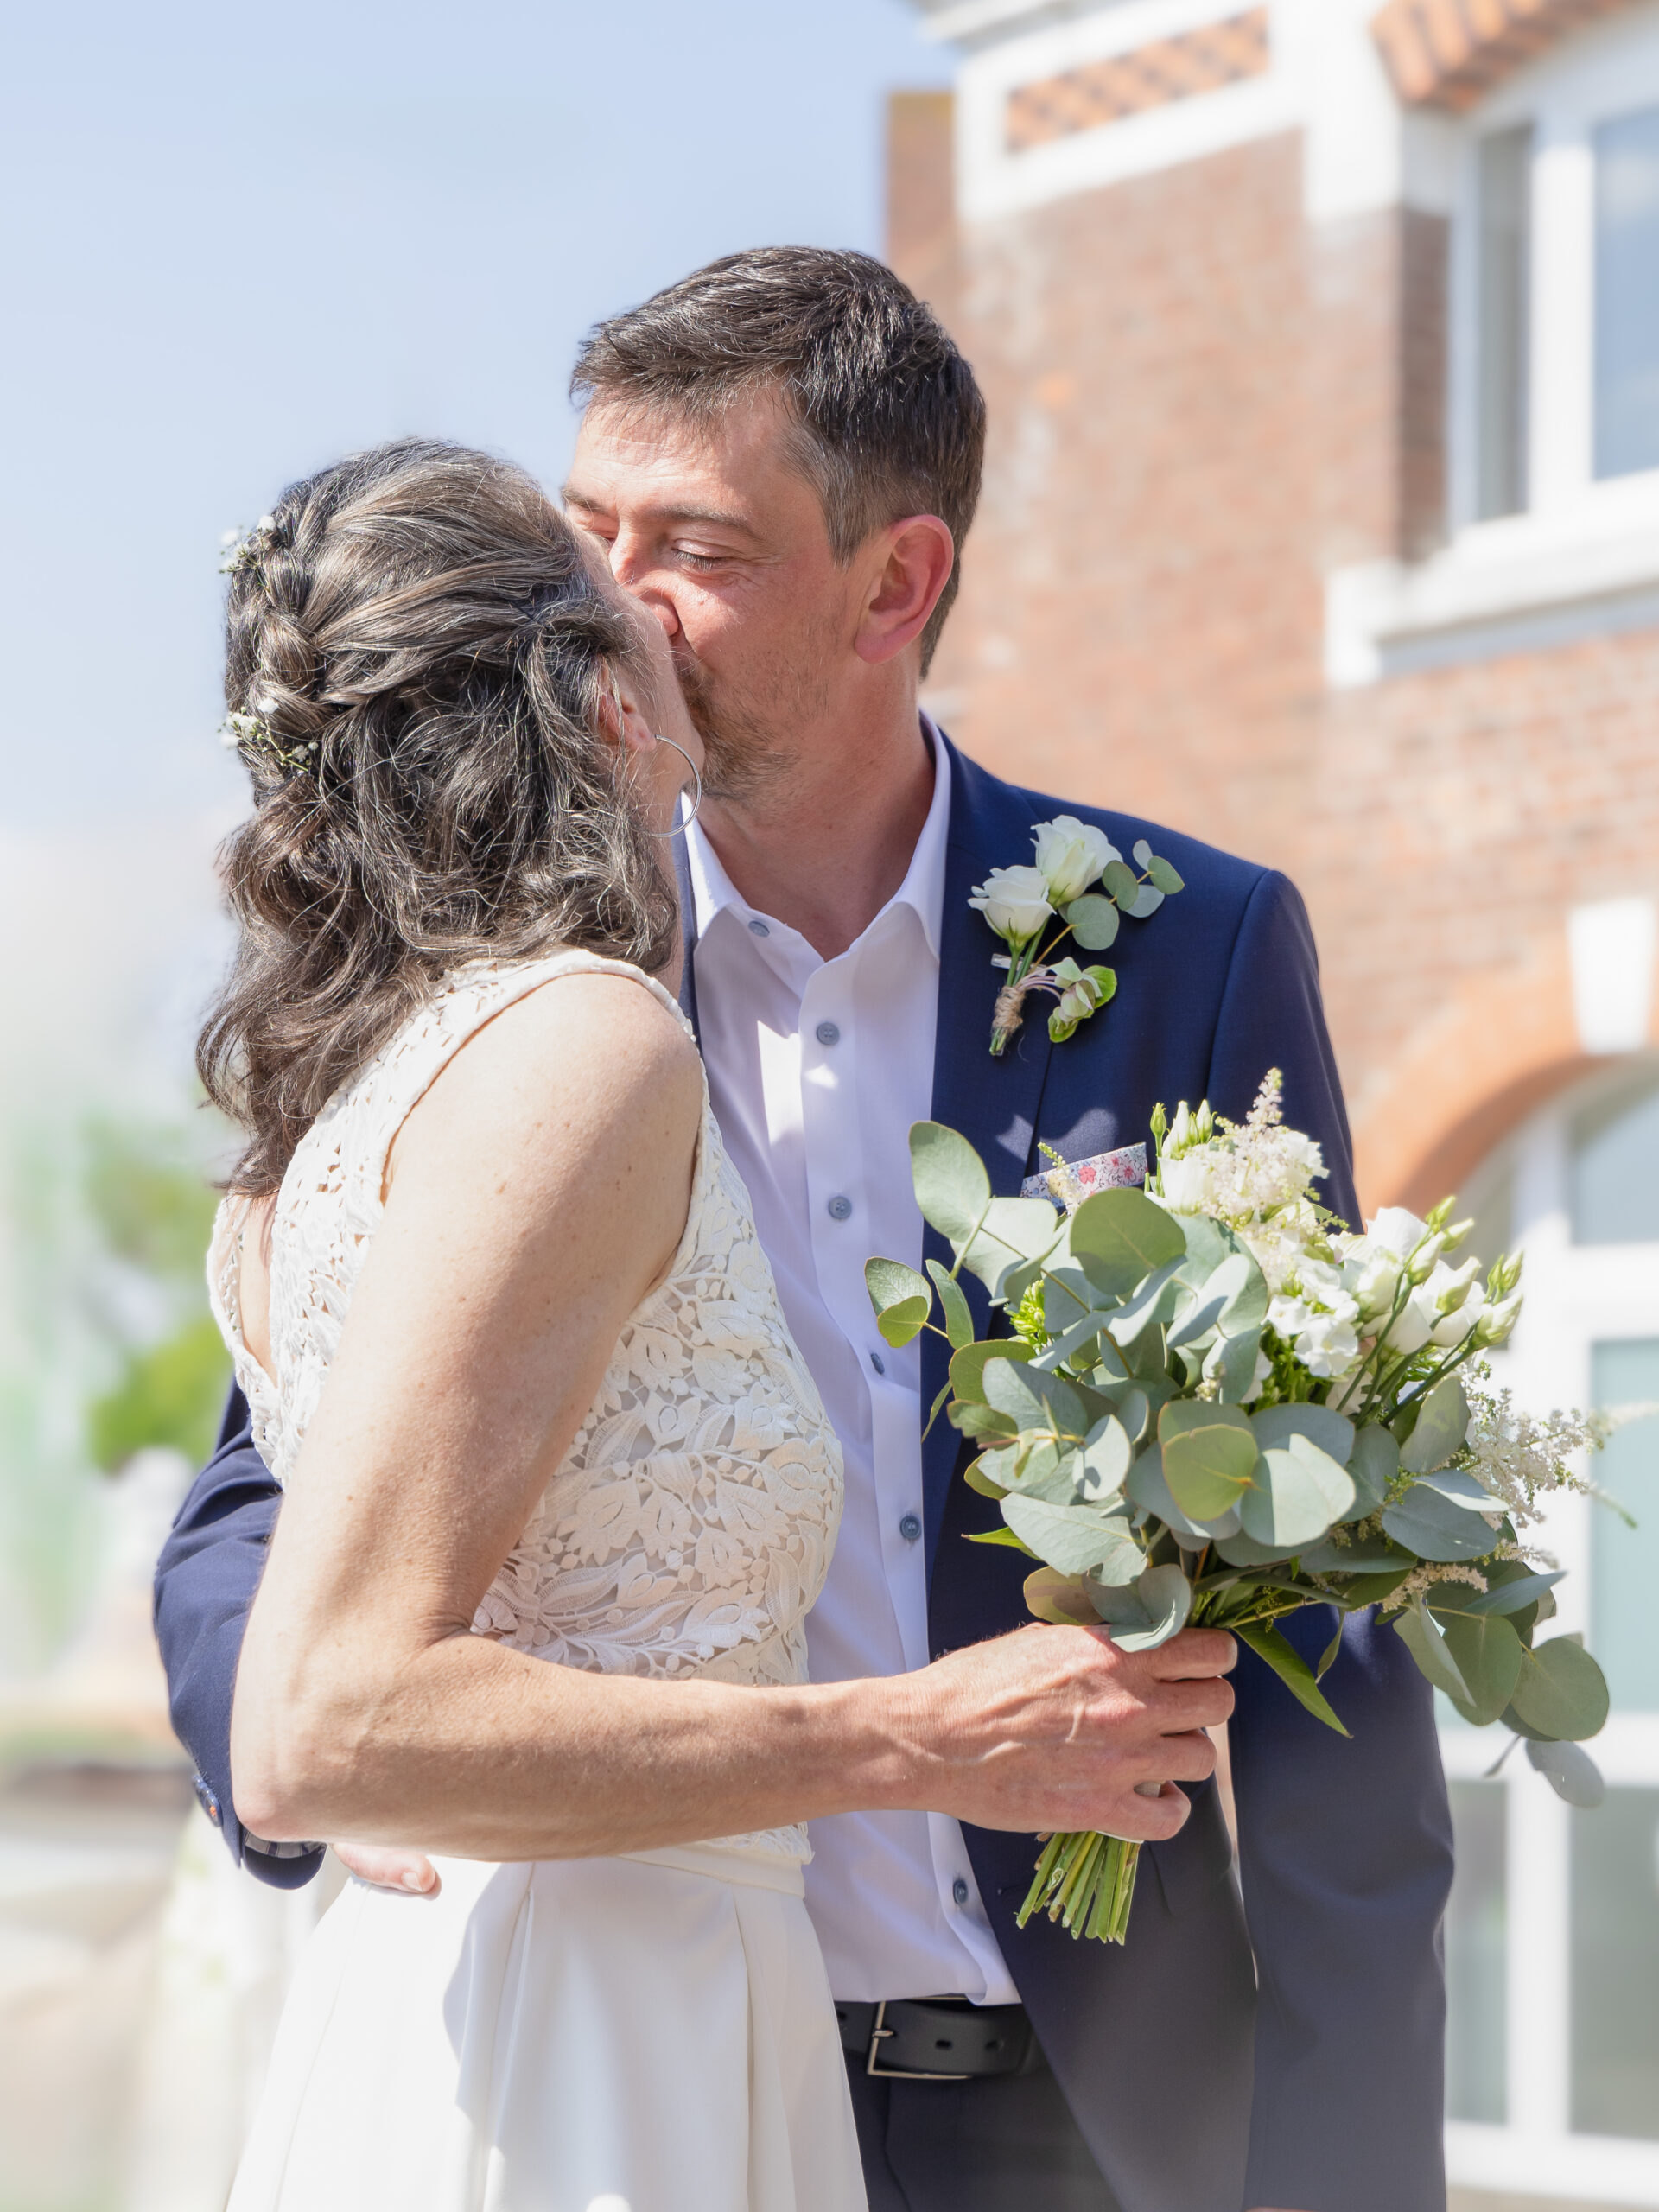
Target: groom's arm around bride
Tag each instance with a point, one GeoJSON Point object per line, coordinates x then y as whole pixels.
{"type": "Point", "coordinates": [751, 482]}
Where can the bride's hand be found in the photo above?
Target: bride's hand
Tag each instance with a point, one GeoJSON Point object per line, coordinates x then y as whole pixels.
{"type": "Point", "coordinates": [388, 1869]}
{"type": "Point", "coordinates": [1052, 1729]}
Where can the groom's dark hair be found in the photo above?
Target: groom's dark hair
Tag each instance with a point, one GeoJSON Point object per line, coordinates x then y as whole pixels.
{"type": "Point", "coordinates": [889, 419]}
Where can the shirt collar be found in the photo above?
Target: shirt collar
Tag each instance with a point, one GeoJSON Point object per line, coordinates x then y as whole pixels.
{"type": "Point", "coordinates": [922, 890]}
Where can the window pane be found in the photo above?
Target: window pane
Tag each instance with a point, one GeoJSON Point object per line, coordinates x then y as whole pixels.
{"type": "Point", "coordinates": [1476, 2050]}
{"type": "Point", "coordinates": [1626, 1561]}
{"type": "Point", "coordinates": [1505, 252]}
{"type": "Point", "coordinates": [1616, 1966]}
{"type": "Point", "coordinates": [1627, 294]}
{"type": "Point", "coordinates": [1616, 1167]}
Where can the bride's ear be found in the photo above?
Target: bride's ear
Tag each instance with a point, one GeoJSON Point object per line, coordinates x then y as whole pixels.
{"type": "Point", "coordinates": [625, 715]}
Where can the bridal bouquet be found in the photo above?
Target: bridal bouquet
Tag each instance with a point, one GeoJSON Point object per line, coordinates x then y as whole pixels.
{"type": "Point", "coordinates": [1216, 1407]}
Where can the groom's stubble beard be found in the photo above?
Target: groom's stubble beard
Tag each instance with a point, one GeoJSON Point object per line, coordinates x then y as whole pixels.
{"type": "Point", "coordinates": [750, 732]}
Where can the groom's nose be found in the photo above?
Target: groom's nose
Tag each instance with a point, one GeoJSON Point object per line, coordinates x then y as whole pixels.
{"type": "Point", "coordinates": [644, 580]}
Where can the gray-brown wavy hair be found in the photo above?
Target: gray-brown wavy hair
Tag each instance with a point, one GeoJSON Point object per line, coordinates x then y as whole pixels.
{"type": "Point", "coordinates": [418, 627]}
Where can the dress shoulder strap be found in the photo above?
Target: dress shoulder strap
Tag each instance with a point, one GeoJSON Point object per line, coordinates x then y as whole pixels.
{"type": "Point", "coordinates": [348, 1146]}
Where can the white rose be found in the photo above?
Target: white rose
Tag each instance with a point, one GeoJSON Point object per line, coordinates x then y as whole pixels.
{"type": "Point", "coordinates": [1015, 901]}
{"type": "Point", "coordinates": [1071, 855]}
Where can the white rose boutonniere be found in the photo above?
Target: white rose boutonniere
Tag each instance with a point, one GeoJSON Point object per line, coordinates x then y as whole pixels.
{"type": "Point", "coordinates": [1071, 855]}
{"type": "Point", "coordinates": [1018, 903]}
{"type": "Point", "coordinates": [1015, 901]}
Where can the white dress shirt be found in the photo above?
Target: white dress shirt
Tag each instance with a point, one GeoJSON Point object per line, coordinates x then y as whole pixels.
{"type": "Point", "coordinates": [817, 1069]}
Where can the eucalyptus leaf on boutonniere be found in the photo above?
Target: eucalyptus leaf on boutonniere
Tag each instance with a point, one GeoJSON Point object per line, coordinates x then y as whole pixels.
{"type": "Point", "coordinates": [1019, 904]}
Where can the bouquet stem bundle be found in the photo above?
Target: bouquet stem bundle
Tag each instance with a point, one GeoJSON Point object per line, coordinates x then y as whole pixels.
{"type": "Point", "coordinates": [1087, 1883]}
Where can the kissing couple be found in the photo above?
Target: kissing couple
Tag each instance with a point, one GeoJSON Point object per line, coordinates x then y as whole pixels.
{"type": "Point", "coordinates": [604, 925]}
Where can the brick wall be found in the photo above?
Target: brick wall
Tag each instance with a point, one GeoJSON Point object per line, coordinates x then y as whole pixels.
{"type": "Point", "coordinates": [1197, 407]}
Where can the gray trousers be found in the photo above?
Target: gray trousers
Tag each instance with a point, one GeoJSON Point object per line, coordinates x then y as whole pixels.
{"type": "Point", "coordinates": [1005, 2145]}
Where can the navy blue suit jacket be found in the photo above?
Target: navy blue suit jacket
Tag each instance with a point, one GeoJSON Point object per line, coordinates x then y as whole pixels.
{"type": "Point", "coordinates": [1285, 2052]}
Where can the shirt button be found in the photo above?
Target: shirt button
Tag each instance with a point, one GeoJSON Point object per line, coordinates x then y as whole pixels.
{"type": "Point", "coordinates": [878, 1363]}
{"type": "Point", "coordinates": [759, 928]}
{"type": "Point", "coordinates": [828, 1034]}
{"type": "Point", "coordinates": [959, 1890]}
{"type": "Point", "coordinates": [840, 1209]}
{"type": "Point", "coordinates": [910, 1527]}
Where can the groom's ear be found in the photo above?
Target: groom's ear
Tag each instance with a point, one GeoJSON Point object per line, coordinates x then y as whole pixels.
{"type": "Point", "coordinates": [907, 565]}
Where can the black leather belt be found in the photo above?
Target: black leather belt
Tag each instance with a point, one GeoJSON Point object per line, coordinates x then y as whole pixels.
{"type": "Point", "coordinates": [939, 2039]}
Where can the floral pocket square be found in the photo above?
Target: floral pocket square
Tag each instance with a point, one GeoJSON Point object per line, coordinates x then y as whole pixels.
{"type": "Point", "coordinates": [1073, 1180]}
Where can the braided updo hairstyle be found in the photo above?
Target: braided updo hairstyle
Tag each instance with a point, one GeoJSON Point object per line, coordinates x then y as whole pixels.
{"type": "Point", "coordinates": [416, 657]}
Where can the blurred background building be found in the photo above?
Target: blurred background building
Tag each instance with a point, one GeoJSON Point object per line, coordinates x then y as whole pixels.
{"type": "Point", "coordinates": [1321, 344]}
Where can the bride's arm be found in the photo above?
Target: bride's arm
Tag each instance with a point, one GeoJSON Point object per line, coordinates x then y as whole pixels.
{"type": "Point", "coordinates": [538, 1191]}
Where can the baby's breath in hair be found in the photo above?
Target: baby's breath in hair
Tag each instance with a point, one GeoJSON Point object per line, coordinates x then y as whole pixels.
{"type": "Point", "coordinates": [248, 734]}
{"type": "Point", "coordinates": [243, 548]}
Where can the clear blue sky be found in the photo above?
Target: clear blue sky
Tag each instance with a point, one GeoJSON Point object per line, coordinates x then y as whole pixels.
{"type": "Point", "coordinates": [238, 242]}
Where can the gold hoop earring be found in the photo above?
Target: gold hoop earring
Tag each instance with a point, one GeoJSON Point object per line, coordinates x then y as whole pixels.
{"type": "Point", "coordinates": [681, 826]}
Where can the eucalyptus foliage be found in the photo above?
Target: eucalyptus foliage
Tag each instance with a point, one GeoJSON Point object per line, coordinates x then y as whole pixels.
{"type": "Point", "coordinates": [1166, 1456]}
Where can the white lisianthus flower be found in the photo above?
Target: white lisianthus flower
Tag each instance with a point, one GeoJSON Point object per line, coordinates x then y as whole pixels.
{"type": "Point", "coordinates": [1412, 1326]}
{"type": "Point", "coordinates": [1071, 855]}
{"type": "Point", "coordinates": [1452, 1328]}
{"type": "Point", "coordinates": [1189, 1183]}
{"type": "Point", "coordinates": [1370, 1275]}
{"type": "Point", "coordinates": [1015, 901]}
{"type": "Point", "coordinates": [1497, 1321]}
{"type": "Point", "coordinates": [1397, 1230]}
{"type": "Point", "coordinates": [1449, 1301]}
{"type": "Point", "coordinates": [1425, 1261]}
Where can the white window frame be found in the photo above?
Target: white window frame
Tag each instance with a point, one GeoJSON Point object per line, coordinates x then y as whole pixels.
{"type": "Point", "coordinates": [1583, 559]}
{"type": "Point", "coordinates": [1577, 1296]}
{"type": "Point", "coordinates": [1598, 76]}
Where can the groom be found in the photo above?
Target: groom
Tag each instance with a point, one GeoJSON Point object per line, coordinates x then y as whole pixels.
{"type": "Point", "coordinates": [780, 457]}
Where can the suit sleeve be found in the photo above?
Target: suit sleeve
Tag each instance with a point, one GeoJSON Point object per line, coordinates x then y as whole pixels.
{"type": "Point", "coordinates": [1345, 1843]}
{"type": "Point", "coordinates": [206, 1581]}
{"type": "Point", "coordinates": [1272, 1016]}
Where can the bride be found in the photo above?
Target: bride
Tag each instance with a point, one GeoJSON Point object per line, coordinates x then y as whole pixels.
{"type": "Point", "coordinates": [493, 1294]}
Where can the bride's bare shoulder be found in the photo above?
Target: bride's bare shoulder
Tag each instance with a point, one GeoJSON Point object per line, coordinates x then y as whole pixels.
{"type": "Point", "coordinates": [585, 1065]}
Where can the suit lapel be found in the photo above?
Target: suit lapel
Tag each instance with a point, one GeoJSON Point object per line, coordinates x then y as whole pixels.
{"type": "Point", "coordinates": [688, 931]}
{"type": "Point", "coordinates": [993, 1103]}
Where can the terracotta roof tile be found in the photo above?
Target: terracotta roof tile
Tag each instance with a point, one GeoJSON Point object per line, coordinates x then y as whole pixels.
{"type": "Point", "coordinates": [1448, 54]}
{"type": "Point", "coordinates": [1199, 61]}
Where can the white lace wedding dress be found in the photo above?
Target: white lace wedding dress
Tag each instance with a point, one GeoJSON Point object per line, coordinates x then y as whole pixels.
{"type": "Point", "coordinates": [655, 2031]}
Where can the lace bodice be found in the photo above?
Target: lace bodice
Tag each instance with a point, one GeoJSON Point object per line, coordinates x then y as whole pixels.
{"type": "Point", "coordinates": [690, 1526]}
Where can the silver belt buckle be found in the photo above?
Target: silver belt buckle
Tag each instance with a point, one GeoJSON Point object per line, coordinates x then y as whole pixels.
{"type": "Point", "coordinates": [879, 2034]}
